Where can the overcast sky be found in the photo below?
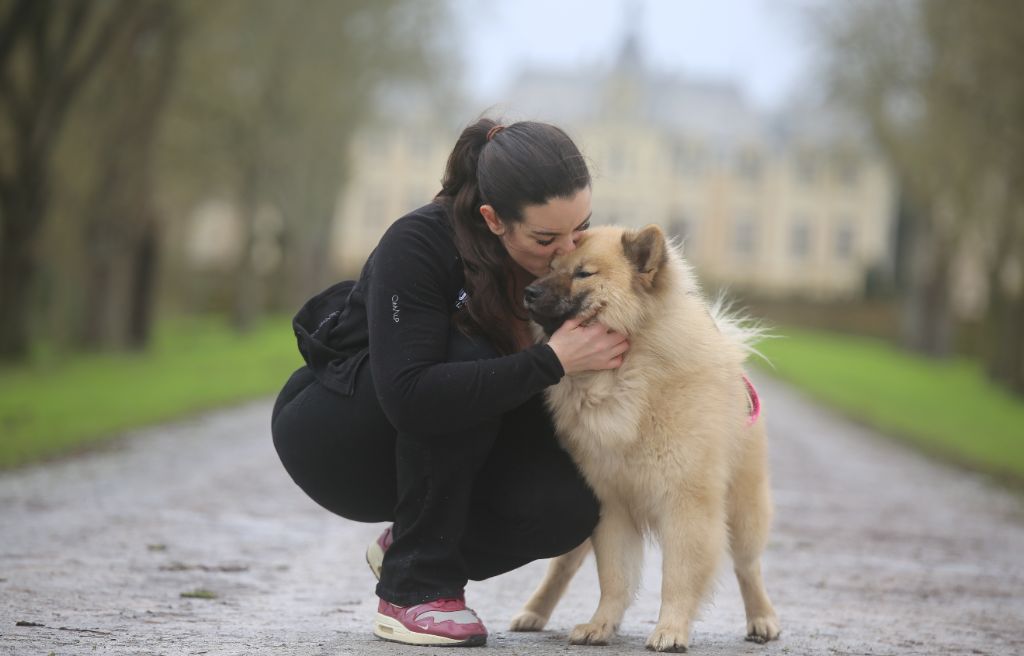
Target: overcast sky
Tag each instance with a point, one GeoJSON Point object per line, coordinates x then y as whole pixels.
{"type": "Point", "coordinates": [755, 43]}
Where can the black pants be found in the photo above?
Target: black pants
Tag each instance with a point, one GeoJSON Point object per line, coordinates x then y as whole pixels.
{"type": "Point", "coordinates": [467, 505]}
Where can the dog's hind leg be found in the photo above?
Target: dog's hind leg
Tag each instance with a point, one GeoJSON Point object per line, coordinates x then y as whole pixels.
{"type": "Point", "coordinates": [537, 611]}
{"type": "Point", "coordinates": [750, 514]}
{"type": "Point", "coordinates": [618, 549]}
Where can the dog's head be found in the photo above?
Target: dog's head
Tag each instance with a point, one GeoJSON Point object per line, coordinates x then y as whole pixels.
{"type": "Point", "coordinates": [612, 276]}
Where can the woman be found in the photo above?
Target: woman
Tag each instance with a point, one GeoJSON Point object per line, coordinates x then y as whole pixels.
{"type": "Point", "coordinates": [421, 402]}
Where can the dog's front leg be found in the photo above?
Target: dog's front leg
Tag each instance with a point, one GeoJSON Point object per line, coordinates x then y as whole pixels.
{"type": "Point", "coordinates": [693, 536]}
{"type": "Point", "coordinates": [618, 549]}
{"type": "Point", "coordinates": [537, 611]}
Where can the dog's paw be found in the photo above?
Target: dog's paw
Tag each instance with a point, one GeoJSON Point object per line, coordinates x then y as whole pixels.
{"type": "Point", "coordinates": [762, 629]}
{"type": "Point", "coordinates": [591, 633]}
{"type": "Point", "coordinates": [527, 620]}
{"type": "Point", "coordinates": [670, 639]}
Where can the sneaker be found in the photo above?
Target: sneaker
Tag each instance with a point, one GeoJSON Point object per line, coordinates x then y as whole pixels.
{"type": "Point", "coordinates": [375, 552]}
{"type": "Point", "coordinates": [439, 623]}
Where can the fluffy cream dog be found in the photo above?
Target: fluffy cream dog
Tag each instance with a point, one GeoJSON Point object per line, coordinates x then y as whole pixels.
{"type": "Point", "coordinates": [670, 441]}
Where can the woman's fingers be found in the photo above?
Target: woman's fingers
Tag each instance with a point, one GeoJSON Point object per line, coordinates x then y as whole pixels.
{"type": "Point", "coordinates": [588, 347]}
{"type": "Point", "coordinates": [571, 324]}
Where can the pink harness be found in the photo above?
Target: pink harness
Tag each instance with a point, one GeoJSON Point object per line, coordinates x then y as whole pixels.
{"type": "Point", "coordinates": [753, 401]}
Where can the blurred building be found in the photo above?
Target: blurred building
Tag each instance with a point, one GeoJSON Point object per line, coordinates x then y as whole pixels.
{"type": "Point", "coordinates": [397, 165]}
{"type": "Point", "coordinates": [780, 206]}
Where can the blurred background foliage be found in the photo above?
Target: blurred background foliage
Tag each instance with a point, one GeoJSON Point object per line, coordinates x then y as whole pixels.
{"type": "Point", "coordinates": [940, 83]}
{"type": "Point", "coordinates": [116, 116]}
{"type": "Point", "coordinates": [119, 118]}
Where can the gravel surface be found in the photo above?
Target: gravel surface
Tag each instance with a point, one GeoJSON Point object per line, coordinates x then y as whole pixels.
{"type": "Point", "coordinates": [875, 550]}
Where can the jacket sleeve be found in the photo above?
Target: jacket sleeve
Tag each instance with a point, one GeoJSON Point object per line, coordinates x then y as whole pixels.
{"type": "Point", "coordinates": [409, 317]}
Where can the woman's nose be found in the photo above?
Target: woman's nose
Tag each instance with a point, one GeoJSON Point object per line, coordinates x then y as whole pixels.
{"type": "Point", "coordinates": [566, 245]}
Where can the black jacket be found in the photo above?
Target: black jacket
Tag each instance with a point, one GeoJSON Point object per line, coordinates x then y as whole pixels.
{"type": "Point", "coordinates": [398, 316]}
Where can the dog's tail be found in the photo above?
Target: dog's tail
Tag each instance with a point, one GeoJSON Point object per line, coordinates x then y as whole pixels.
{"type": "Point", "coordinates": [738, 326]}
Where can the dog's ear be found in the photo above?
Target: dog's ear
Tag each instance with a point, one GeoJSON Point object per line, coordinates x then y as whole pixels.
{"type": "Point", "coordinates": [647, 250]}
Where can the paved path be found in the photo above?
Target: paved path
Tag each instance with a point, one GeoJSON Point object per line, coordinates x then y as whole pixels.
{"type": "Point", "coordinates": [875, 551]}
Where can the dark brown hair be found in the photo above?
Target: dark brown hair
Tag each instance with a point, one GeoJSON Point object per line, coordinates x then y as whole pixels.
{"type": "Point", "coordinates": [526, 163]}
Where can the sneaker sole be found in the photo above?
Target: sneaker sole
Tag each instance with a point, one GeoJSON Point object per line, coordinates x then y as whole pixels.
{"type": "Point", "coordinates": [375, 558]}
{"type": "Point", "coordinates": [390, 629]}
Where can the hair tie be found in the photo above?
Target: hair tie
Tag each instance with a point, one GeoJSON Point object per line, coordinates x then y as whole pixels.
{"type": "Point", "coordinates": [494, 130]}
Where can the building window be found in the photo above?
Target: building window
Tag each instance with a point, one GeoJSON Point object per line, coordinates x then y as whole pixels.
{"type": "Point", "coordinates": [420, 147]}
{"type": "Point", "coordinates": [679, 157]}
{"type": "Point", "coordinates": [847, 170]}
{"type": "Point", "coordinates": [749, 165]}
{"type": "Point", "coordinates": [806, 168]}
{"type": "Point", "coordinates": [372, 147]}
{"type": "Point", "coordinates": [686, 159]}
{"type": "Point", "coordinates": [844, 240]}
{"type": "Point", "coordinates": [618, 161]}
{"type": "Point", "coordinates": [800, 240]}
{"type": "Point", "coordinates": [414, 199]}
{"type": "Point", "coordinates": [682, 228]}
{"type": "Point", "coordinates": [374, 210]}
{"type": "Point", "coordinates": [745, 237]}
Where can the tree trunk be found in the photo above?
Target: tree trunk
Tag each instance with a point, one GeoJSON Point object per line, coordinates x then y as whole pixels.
{"type": "Point", "coordinates": [121, 286]}
{"type": "Point", "coordinates": [247, 300]}
{"type": "Point", "coordinates": [121, 233]}
{"type": "Point", "coordinates": [17, 273]}
{"type": "Point", "coordinates": [1006, 342]}
{"type": "Point", "coordinates": [95, 324]}
{"type": "Point", "coordinates": [57, 46]}
{"type": "Point", "coordinates": [306, 247]}
{"type": "Point", "coordinates": [1005, 317]}
{"type": "Point", "coordinates": [1015, 348]}
{"type": "Point", "coordinates": [928, 326]}
{"type": "Point", "coordinates": [22, 208]}
{"type": "Point", "coordinates": [142, 299]}
{"type": "Point", "coordinates": [297, 283]}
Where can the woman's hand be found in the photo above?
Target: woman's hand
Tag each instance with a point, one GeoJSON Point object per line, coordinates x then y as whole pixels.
{"type": "Point", "coordinates": [587, 348]}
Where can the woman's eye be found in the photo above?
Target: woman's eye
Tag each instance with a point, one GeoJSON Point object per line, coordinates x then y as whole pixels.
{"type": "Point", "coordinates": [546, 242]}
{"type": "Point", "coordinates": [585, 226]}
{"type": "Point", "coordinates": [583, 274]}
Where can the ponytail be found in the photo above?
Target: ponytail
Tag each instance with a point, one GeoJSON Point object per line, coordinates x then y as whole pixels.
{"type": "Point", "coordinates": [507, 167]}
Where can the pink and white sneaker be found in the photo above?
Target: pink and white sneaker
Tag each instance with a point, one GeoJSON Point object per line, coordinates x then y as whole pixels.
{"type": "Point", "coordinates": [375, 552]}
{"type": "Point", "coordinates": [439, 623]}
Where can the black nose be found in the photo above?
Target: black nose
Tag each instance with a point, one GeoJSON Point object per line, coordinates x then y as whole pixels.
{"type": "Point", "coordinates": [532, 293]}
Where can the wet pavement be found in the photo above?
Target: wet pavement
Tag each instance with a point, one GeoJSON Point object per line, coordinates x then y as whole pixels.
{"type": "Point", "coordinates": [190, 538]}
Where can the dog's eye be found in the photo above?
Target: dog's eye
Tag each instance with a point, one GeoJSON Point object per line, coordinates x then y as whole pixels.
{"type": "Point", "coordinates": [580, 273]}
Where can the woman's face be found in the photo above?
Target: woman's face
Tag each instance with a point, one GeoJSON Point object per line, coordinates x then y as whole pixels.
{"type": "Point", "coordinates": [546, 230]}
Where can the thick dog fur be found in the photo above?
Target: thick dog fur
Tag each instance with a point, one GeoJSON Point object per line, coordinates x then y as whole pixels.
{"type": "Point", "coordinates": [664, 440]}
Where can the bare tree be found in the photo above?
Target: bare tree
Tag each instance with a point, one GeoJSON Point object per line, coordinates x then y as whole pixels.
{"type": "Point", "coordinates": [879, 62]}
{"type": "Point", "coordinates": [121, 227]}
{"type": "Point", "coordinates": [979, 47]}
{"type": "Point", "coordinates": [48, 50]}
{"type": "Point", "coordinates": [941, 84]}
{"type": "Point", "coordinates": [275, 92]}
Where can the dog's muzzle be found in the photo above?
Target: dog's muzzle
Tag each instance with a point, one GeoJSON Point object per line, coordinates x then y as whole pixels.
{"type": "Point", "coordinates": [548, 310]}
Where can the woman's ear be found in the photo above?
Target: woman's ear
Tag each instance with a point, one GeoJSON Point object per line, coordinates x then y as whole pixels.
{"type": "Point", "coordinates": [494, 224]}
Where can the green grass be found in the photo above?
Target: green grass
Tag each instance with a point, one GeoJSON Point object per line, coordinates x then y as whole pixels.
{"type": "Point", "coordinates": [59, 404]}
{"type": "Point", "coordinates": [947, 407]}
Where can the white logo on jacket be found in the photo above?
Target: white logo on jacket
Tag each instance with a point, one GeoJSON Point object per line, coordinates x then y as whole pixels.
{"type": "Point", "coordinates": [394, 308]}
